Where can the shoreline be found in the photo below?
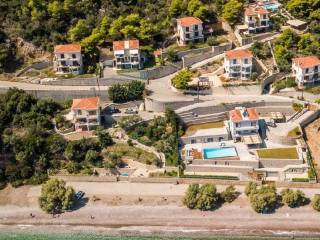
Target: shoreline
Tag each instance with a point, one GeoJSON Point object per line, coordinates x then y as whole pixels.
{"type": "Point", "coordinates": [152, 231]}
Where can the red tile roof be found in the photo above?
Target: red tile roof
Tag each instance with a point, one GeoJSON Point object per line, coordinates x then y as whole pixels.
{"type": "Point", "coordinates": [251, 11]}
{"type": "Point", "coordinates": [65, 48]}
{"type": "Point", "coordinates": [86, 103]}
{"type": "Point", "coordinates": [242, 53]}
{"type": "Point", "coordinates": [128, 44]}
{"type": "Point", "coordinates": [306, 62]}
{"type": "Point", "coordinates": [237, 116]}
{"type": "Point", "coordinates": [189, 21]}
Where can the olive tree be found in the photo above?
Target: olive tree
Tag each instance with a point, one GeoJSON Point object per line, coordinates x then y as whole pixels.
{"type": "Point", "coordinates": [208, 197]}
{"type": "Point", "coordinates": [264, 199]}
{"type": "Point", "coordinates": [229, 194]}
{"type": "Point", "coordinates": [56, 197]}
{"type": "Point", "coordinates": [191, 196]}
{"type": "Point", "coordinates": [293, 198]}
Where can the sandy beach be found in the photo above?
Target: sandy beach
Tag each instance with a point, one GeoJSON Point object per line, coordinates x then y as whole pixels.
{"type": "Point", "coordinates": [153, 208]}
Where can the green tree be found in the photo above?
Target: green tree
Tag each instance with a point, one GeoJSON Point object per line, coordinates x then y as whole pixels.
{"type": "Point", "coordinates": [181, 80]}
{"type": "Point", "coordinates": [105, 139]}
{"type": "Point", "coordinates": [250, 188]}
{"type": "Point", "coordinates": [232, 11]}
{"type": "Point", "coordinates": [191, 196]}
{"type": "Point", "coordinates": [177, 7]}
{"type": "Point", "coordinates": [207, 197]}
{"type": "Point", "coordinates": [92, 156]}
{"type": "Point", "coordinates": [79, 31]}
{"type": "Point", "coordinates": [316, 202]}
{"type": "Point", "coordinates": [264, 199]}
{"type": "Point", "coordinates": [229, 194]}
{"type": "Point", "coordinates": [56, 197]}
{"type": "Point", "coordinates": [293, 198]}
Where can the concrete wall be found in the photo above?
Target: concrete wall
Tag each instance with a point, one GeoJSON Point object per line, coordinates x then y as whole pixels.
{"type": "Point", "coordinates": [37, 66]}
{"type": "Point", "coordinates": [243, 40]}
{"type": "Point", "coordinates": [87, 81]}
{"type": "Point", "coordinates": [278, 163]}
{"type": "Point", "coordinates": [160, 106]}
{"type": "Point", "coordinates": [65, 95]}
{"type": "Point", "coordinates": [221, 48]}
{"type": "Point", "coordinates": [270, 79]}
{"type": "Point", "coordinates": [226, 162]}
{"type": "Point", "coordinates": [204, 139]}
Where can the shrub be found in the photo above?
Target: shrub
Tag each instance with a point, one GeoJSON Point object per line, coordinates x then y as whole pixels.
{"type": "Point", "coordinates": [125, 92]}
{"type": "Point", "coordinates": [212, 41]}
{"type": "Point", "coordinates": [297, 107]}
{"type": "Point", "coordinates": [293, 198]}
{"type": "Point", "coordinates": [208, 197]}
{"type": "Point", "coordinates": [229, 194]}
{"type": "Point", "coordinates": [191, 196]}
{"type": "Point", "coordinates": [181, 80]}
{"type": "Point", "coordinates": [172, 56]}
{"type": "Point", "coordinates": [250, 188]}
{"type": "Point", "coordinates": [316, 202]}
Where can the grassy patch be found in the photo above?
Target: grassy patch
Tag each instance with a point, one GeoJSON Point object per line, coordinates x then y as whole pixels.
{"type": "Point", "coordinates": [135, 153]}
{"type": "Point", "coordinates": [297, 107]}
{"type": "Point", "coordinates": [295, 132]}
{"type": "Point", "coordinates": [164, 174]}
{"type": "Point", "coordinates": [278, 153]}
{"type": "Point", "coordinates": [300, 180]}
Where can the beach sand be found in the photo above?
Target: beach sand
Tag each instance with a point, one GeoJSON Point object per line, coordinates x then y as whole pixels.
{"type": "Point", "coordinates": [126, 208]}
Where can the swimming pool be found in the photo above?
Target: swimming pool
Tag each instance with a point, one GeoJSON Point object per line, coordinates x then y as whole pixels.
{"type": "Point", "coordinates": [210, 153]}
{"type": "Point", "coordinates": [272, 7]}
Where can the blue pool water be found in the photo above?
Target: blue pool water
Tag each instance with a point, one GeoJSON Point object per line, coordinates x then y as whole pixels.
{"type": "Point", "coordinates": [219, 152]}
{"type": "Point", "coordinates": [272, 7]}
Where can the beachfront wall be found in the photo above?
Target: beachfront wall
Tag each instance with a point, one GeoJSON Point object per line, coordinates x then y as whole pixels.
{"type": "Point", "coordinates": [226, 162]}
{"type": "Point", "coordinates": [279, 163]}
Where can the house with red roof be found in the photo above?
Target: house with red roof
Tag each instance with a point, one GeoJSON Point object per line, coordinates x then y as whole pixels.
{"type": "Point", "coordinates": [127, 54]}
{"type": "Point", "coordinates": [238, 64]}
{"type": "Point", "coordinates": [243, 122]}
{"type": "Point", "coordinates": [68, 59]}
{"type": "Point", "coordinates": [256, 19]}
{"type": "Point", "coordinates": [189, 29]}
{"type": "Point", "coordinates": [86, 113]}
{"type": "Point", "coordinates": [306, 70]}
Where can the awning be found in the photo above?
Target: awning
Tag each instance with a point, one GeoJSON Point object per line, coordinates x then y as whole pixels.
{"type": "Point", "coordinates": [251, 139]}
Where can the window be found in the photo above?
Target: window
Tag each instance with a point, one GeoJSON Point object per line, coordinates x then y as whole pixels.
{"type": "Point", "coordinates": [316, 68]}
{"type": "Point", "coordinates": [187, 35]}
{"type": "Point", "coordinates": [62, 55]}
{"type": "Point", "coordinates": [253, 123]}
{"type": "Point", "coordinates": [250, 18]}
{"type": "Point", "coordinates": [193, 141]}
{"type": "Point", "coordinates": [234, 61]}
{"type": "Point", "coordinates": [92, 112]}
{"type": "Point", "coordinates": [307, 70]}
{"type": "Point", "coordinates": [264, 16]}
{"type": "Point", "coordinates": [196, 34]}
{"type": "Point", "coordinates": [187, 29]}
{"type": "Point", "coordinates": [73, 56]}
{"type": "Point", "coordinates": [209, 139]}
{"type": "Point", "coordinates": [196, 27]}
{"type": "Point", "coordinates": [237, 125]}
{"type": "Point", "coordinates": [79, 112]}
{"type": "Point", "coordinates": [246, 61]}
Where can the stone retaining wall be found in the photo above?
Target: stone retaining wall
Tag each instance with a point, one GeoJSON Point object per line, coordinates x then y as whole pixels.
{"type": "Point", "coordinates": [37, 66]}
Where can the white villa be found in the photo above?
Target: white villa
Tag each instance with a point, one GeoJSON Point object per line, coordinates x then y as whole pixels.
{"type": "Point", "coordinates": [68, 59]}
{"type": "Point", "coordinates": [306, 70]}
{"type": "Point", "coordinates": [256, 19]}
{"type": "Point", "coordinates": [189, 29]}
{"type": "Point", "coordinates": [127, 54]}
{"type": "Point", "coordinates": [238, 64]}
{"type": "Point", "coordinates": [243, 122]}
{"type": "Point", "coordinates": [86, 113]}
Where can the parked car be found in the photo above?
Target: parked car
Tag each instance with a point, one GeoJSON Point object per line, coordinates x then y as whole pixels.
{"type": "Point", "coordinates": [131, 111]}
{"type": "Point", "coordinates": [79, 195]}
